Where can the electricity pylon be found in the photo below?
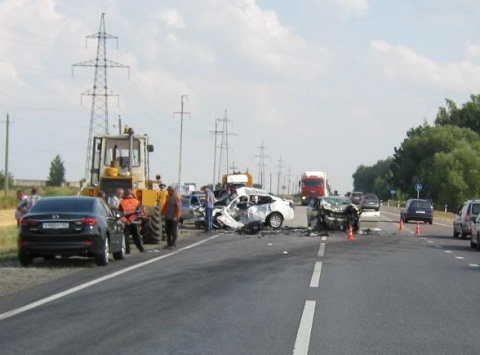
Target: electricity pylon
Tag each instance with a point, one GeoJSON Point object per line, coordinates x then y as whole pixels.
{"type": "Point", "coordinates": [99, 92]}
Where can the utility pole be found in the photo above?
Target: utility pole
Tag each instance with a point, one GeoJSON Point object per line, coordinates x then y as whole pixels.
{"type": "Point", "coordinates": [99, 93]}
{"type": "Point", "coordinates": [5, 181]}
{"type": "Point", "coordinates": [280, 173]}
{"type": "Point", "coordinates": [261, 164]}
{"type": "Point", "coordinates": [119, 125]}
{"type": "Point", "coordinates": [182, 112]}
{"type": "Point", "coordinates": [215, 132]}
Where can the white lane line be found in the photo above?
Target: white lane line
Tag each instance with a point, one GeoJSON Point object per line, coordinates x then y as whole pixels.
{"type": "Point", "coordinates": [317, 271]}
{"type": "Point", "coordinates": [324, 238]}
{"type": "Point", "coordinates": [438, 246]}
{"type": "Point", "coordinates": [448, 251]}
{"type": "Point", "coordinates": [302, 343]}
{"type": "Point", "coordinates": [321, 251]}
{"type": "Point", "coordinates": [473, 265]}
{"type": "Point", "coordinates": [430, 241]}
{"type": "Point", "coordinates": [54, 297]}
{"type": "Point", "coordinates": [460, 258]}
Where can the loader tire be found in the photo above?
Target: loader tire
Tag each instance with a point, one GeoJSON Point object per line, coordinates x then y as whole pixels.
{"type": "Point", "coordinates": [151, 228]}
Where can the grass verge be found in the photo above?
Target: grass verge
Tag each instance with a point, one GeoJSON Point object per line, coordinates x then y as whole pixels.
{"type": "Point", "coordinates": [8, 243]}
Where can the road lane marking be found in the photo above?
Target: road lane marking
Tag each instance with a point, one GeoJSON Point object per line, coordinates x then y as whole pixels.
{"type": "Point", "coordinates": [448, 251]}
{"type": "Point", "coordinates": [317, 271]}
{"type": "Point", "coordinates": [321, 251]}
{"type": "Point", "coordinates": [59, 295]}
{"type": "Point", "coordinates": [302, 342]}
{"type": "Point", "coordinates": [473, 265]}
{"type": "Point", "coordinates": [460, 258]}
{"type": "Point", "coordinates": [324, 238]}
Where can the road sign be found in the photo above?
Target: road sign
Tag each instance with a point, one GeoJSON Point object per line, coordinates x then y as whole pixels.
{"type": "Point", "coordinates": [418, 187]}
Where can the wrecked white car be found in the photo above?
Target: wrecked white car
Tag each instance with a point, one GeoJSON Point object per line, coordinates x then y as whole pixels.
{"type": "Point", "coordinates": [254, 206]}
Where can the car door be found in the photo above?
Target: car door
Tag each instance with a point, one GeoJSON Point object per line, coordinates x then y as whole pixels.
{"type": "Point", "coordinates": [114, 225]}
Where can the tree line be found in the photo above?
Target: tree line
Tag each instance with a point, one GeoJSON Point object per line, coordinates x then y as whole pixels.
{"type": "Point", "coordinates": [56, 176]}
{"type": "Point", "coordinates": [444, 158]}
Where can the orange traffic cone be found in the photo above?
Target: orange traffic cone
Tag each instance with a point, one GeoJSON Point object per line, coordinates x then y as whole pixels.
{"type": "Point", "coordinates": [350, 235]}
{"type": "Point", "coordinates": [418, 233]}
{"type": "Point", "coordinates": [401, 227]}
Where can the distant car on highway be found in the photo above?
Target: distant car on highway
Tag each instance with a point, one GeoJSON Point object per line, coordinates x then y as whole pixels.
{"type": "Point", "coordinates": [356, 197]}
{"type": "Point", "coordinates": [465, 218]}
{"type": "Point", "coordinates": [370, 202]}
{"type": "Point", "coordinates": [417, 210]}
{"type": "Point", "coordinates": [71, 226]}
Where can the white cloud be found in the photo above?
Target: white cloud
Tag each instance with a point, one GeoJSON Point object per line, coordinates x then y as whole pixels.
{"type": "Point", "coordinates": [354, 7]}
{"type": "Point", "coordinates": [401, 62]}
{"type": "Point", "coordinates": [473, 50]}
{"type": "Point", "coordinates": [172, 19]}
{"type": "Point", "coordinates": [348, 7]}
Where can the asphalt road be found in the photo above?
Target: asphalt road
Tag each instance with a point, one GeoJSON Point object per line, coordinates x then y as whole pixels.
{"type": "Point", "coordinates": [386, 292]}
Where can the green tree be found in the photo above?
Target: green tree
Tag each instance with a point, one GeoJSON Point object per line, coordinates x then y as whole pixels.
{"type": "Point", "coordinates": [2, 179]}
{"type": "Point", "coordinates": [375, 179]}
{"type": "Point", "coordinates": [57, 172]}
{"type": "Point", "coordinates": [468, 116]}
{"type": "Point", "coordinates": [443, 159]}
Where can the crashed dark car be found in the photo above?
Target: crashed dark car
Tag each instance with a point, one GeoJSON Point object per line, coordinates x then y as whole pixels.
{"type": "Point", "coordinates": [333, 213]}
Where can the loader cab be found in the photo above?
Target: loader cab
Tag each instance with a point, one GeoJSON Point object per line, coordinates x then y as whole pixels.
{"type": "Point", "coordinates": [120, 161]}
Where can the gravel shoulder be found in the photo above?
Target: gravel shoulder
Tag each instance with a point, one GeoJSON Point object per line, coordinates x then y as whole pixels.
{"type": "Point", "coordinates": [14, 278]}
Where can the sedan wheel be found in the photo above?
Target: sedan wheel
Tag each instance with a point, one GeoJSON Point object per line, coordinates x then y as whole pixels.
{"type": "Point", "coordinates": [120, 255]}
{"type": "Point", "coordinates": [275, 220]}
{"type": "Point", "coordinates": [102, 259]}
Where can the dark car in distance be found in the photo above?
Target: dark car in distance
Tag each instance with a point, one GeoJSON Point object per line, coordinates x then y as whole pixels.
{"type": "Point", "coordinates": [370, 202]}
{"type": "Point", "coordinates": [71, 226]}
{"type": "Point", "coordinates": [356, 197]}
{"type": "Point", "coordinates": [417, 210]}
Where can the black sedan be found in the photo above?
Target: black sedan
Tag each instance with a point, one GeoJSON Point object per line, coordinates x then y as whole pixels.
{"type": "Point", "coordinates": [71, 226]}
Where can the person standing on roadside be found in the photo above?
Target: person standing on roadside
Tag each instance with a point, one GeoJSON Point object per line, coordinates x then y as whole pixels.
{"type": "Point", "coordinates": [172, 210]}
{"type": "Point", "coordinates": [30, 201]}
{"type": "Point", "coordinates": [162, 199]}
{"type": "Point", "coordinates": [132, 212]}
{"type": "Point", "coordinates": [208, 204]}
{"type": "Point", "coordinates": [114, 202]}
{"type": "Point", "coordinates": [19, 212]}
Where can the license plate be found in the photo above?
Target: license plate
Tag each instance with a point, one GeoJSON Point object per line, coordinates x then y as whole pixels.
{"type": "Point", "coordinates": [56, 225]}
{"type": "Point", "coordinates": [421, 212]}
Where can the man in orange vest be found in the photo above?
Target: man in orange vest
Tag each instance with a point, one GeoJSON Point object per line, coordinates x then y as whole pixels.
{"type": "Point", "coordinates": [132, 211]}
{"type": "Point", "coordinates": [172, 210]}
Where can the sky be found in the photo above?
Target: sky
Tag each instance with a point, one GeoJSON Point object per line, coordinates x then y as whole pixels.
{"type": "Point", "coordinates": [324, 85]}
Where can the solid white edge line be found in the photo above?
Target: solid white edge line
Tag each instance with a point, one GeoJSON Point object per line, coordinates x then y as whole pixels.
{"type": "Point", "coordinates": [95, 281]}
{"type": "Point", "coordinates": [302, 342]}
{"type": "Point", "coordinates": [317, 271]}
{"type": "Point", "coordinates": [321, 251]}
